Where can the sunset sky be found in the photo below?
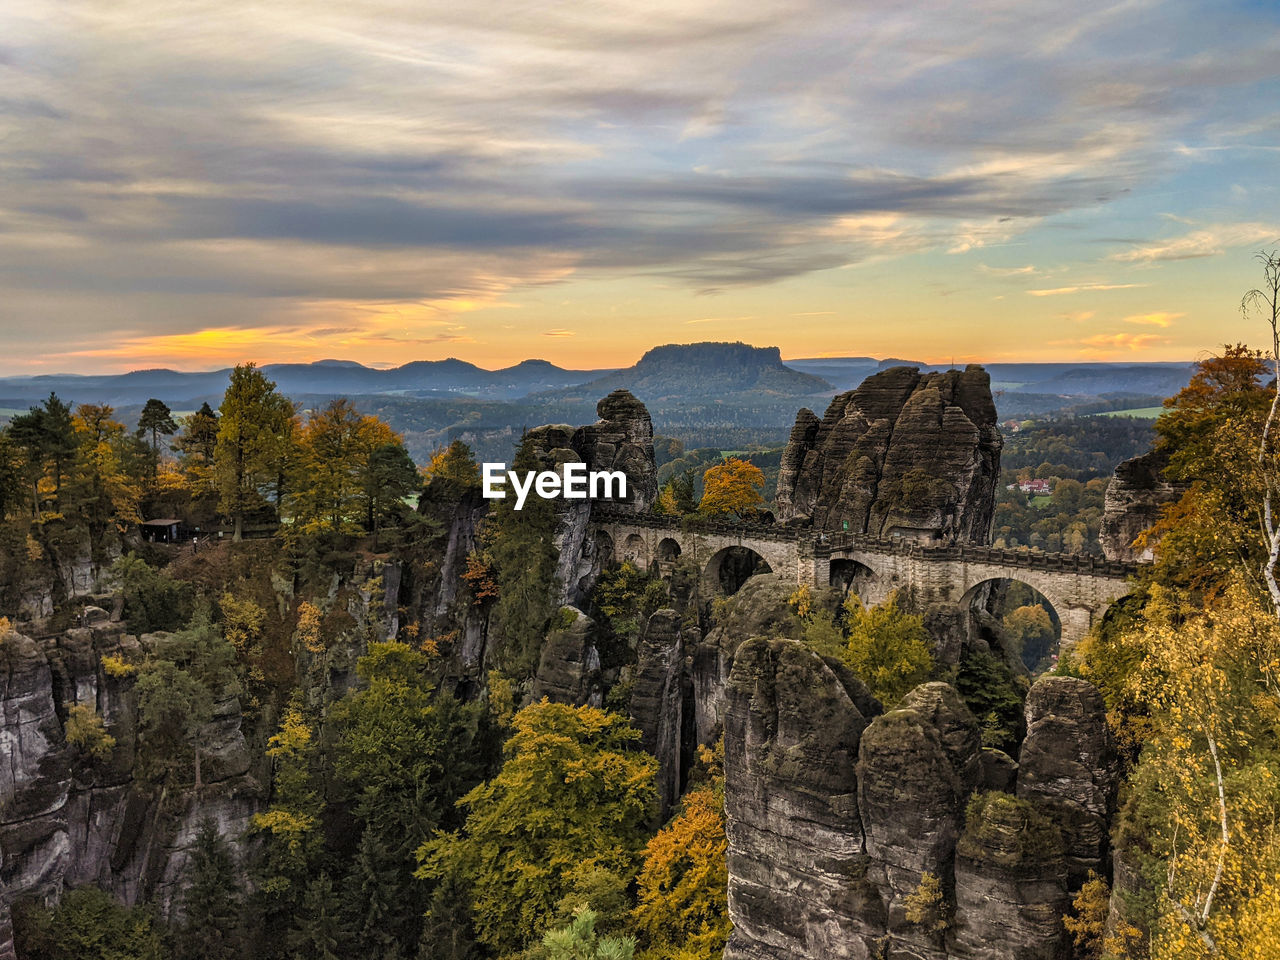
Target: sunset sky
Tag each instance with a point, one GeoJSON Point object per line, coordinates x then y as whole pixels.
{"type": "Point", "coordinates": [193, 184]}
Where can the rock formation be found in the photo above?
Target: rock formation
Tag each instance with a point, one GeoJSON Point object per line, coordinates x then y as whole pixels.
{"type": "Point", "coordinates": [797, 885]}
{"type": "Point", "coordinates": [569, 669]}
{"type": "Point", "coordinates": [759, 609]}
{"type": "Point", "coordinates": [905, 453]}
{"type": "Point", "coordinates": [832, 857]}
{"type": "Point", "coordinates": [1011, 883]}
{"type": "Point", "coordinates": [657, 708]}
{"type": "Point", "coordinates": [65, 821]}
{"type": "Point", "coordinates": [916, 766]}
{"type": "Point", "coordinates": [1138, 491]}
{"type": "Point", "coordinates": [1068, 765]}
{"type": "Point", "coordinates": [622, 439]}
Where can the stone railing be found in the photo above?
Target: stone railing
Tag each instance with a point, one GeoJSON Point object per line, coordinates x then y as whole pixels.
{"type": "Point", "coordinates": [827, 544]}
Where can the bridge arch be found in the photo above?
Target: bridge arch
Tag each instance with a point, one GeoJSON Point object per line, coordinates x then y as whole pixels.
{"type": "Point", "coordinates": [730, 567]}
{"type": "Point", "coordinates": [850, 575]}
{"type": "Point", "coordinates": [1078, 603]}
{"type": "Point", "coordinates": [669, 550]}
{"type": "Point", "coordinates": [1039, 636]}
{"type": "Point", "coordinates": [634, 551]}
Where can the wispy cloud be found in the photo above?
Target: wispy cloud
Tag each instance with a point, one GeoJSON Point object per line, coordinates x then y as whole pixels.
{"type": "Point", "coordinates": [162, 177]}
{"type": "Point", "coordinates": [1024, 271]}
{"type": "Point", "coordinates": [1083, 288]}
{"type": "Point", "coordinates": [1157, 319]}
{"type": "Point", "coordinates": [1208, 241]}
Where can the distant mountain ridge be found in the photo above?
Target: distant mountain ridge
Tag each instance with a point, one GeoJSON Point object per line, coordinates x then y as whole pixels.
{"type": "Point", "coordinates": [1083, 379]}
{"type": "Point", "coordinates": [417, 378]}
{"type": "Point", "coordinates": [692, 375]}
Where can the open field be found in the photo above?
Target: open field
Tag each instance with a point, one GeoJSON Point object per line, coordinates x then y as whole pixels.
{"type": "Point", "coordinates": [1139, 413]}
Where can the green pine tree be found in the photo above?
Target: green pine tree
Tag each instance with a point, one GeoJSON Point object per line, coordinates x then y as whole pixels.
{"type": "Point", "coordinates": [212, 902]}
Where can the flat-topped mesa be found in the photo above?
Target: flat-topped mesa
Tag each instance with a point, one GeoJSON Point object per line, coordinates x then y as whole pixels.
{"type": "Point", "coordinates": [905, 454]}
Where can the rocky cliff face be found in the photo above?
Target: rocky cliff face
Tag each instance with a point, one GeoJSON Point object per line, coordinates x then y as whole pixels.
{"type": "Point", "coordinates": [1068, 765]}
{"type": "Point", "coordinates": [1138, 491]}
{"type": "Point", "coordinates": [65, 820]}
{"type": "Point", "coordinates": [905, 453]}
{"type": "Point", "coordinates": [798, 884]}
{"type": "Point", "coordinates": [838, 816]}
{"type": "Point", "coordinates": [621, 440]}
{"type": "Point", "coordinates": [657, 702]}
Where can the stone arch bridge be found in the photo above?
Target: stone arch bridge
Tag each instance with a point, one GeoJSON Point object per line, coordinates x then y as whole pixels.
{"type": "Point", "coordinates": [1079, 588]}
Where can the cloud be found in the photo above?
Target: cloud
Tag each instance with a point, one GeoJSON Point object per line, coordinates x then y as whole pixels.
{"type": "Point", "coordinates": [384, 152]}
{"type": "Point", "coordinates": [1084, 288]}
{"type": "Point", "coordinates": [1158, 319]}
{"type": "Point", "coordinates": [1208, 241]}
{"type": "Point", "coordinates": [1025, 271]}
{"type": "Point", "coordinates": [558, 333]}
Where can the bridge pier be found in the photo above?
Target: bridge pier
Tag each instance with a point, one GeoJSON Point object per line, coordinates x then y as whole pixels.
{"type": "Point", "coordinates": [1076, 622]}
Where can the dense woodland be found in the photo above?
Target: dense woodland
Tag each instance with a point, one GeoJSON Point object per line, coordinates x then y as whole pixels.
{"type": "Point", "coordinates": [408, 816]}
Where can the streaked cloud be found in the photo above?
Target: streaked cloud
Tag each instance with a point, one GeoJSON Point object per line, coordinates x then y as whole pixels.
{"type": "Point", "coordinates": [1157, 319]}
{"type": "Point", "coordinates": [1083, 288]}
{"type": "Point", "coordinates": [286, 171]}
{"type": "Point", "coordinates": [1208, 241]}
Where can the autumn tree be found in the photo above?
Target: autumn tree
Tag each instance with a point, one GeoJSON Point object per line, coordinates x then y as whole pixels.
{"type": "Point", "coordinates": [888, 647]}
{"type": "Point", "coordinates": [682, 911]}
{"type": "Point", "coordinates": [255, 427]}
{"type": "Point", "coordinates": [1030, 630]}
{"type": "Point", "coordinates": [676, 498]}
{"type": "Point", "coordinates": [197, 443]}
{"type": "Point", "coordinates": [1266, 300]}
{"type": "Point", "coordinates": [1211, 431]}
{"type": "Point", "coordinates": [349, 468]}
{"type": "Point", "coordinates": [733, 487]}
{"type": "Point", "coordinates": [572, 798]}
{"type": "Point", "coordinates": [86, 732]}
{"type": "Point", "coordinates": [1201, 820]}
{"type": "Point", "coordinates": [104, 488]}
{"type": "Point", "coordinates": [454, 465]}
{"type": "Point", "coordinates": [290, 827]}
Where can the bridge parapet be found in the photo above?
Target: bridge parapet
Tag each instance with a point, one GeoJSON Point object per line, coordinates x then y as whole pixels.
{"type": "Point", "coordinates": [824, 545]}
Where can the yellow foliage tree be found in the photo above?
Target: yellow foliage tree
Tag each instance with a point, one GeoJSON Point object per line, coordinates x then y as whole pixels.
{"type": "Point", "coordinates": [733, 487]}
{"type": "Point", "coordinates": [683, 913]}
{"type": "Point", "coordinates": [308, 630]}
{"type": "Point", "coordinates": [888, 647]}
{"type": "Point", "coordinates": [87, 733]}
{"type": "Point", "coordinates": [1207, 785]}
